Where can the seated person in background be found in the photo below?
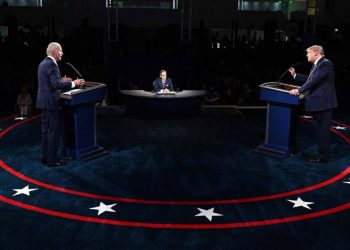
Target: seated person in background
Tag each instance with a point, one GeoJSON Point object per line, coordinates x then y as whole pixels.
{"type": "Point", "coordinates": [24, 102]}
{"type": "Point", "coordinates": [162, 83]}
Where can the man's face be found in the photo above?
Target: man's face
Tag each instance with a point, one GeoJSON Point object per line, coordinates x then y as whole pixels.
{"type": "Point", "coordinates": [163, 75]}
{"type": "Point", "coordinates": [57, 54]}
{"type": "Point", "coordinates": [312, 55]}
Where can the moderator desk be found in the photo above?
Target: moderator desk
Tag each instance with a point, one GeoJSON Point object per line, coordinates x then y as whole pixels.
{"type": "Point", "coordinates": [144, 103]}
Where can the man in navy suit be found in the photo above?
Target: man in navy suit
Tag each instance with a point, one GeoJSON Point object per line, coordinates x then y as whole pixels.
{"type": "Point", "coordinates": [50, 84]}
{"type": "Point", "coordinates": [163, 83]}
{"type": "Point", "coordinates": [320, 98]}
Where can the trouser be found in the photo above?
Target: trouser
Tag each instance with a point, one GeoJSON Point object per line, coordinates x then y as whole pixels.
{"type": "Point", "coordinates": [323, 121]}
{"type": "Point", "coordinates": [50, 133]}
{"type": "Point", "coordinates": [24, 110]}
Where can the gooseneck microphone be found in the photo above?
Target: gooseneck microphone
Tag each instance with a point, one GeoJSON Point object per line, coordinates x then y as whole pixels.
{"type": "Point", "coordinates": [285, 72]}
{"type": "Point", "coordinates": [74, 69]}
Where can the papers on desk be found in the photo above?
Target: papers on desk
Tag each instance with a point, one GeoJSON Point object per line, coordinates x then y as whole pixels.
{"type": "Point", "coordinates": [70, 92]}
{"type": "Point", "coordinates": [162, 92]}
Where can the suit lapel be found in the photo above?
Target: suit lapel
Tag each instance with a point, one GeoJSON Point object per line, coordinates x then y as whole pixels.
{"type": "Point", "coordinates": [314, 66]}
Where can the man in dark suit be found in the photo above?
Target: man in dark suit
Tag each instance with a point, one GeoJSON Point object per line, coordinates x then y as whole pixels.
{"type": "Point", "coordinates": [320, 98]}
{"type": "Point", "coordinates": [163, 83]}
{"type": "Point", "coordinates": [50, 84]}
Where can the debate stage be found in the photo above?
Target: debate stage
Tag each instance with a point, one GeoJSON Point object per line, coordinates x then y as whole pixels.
{"type": "Point", "coordinates": [180, 183]}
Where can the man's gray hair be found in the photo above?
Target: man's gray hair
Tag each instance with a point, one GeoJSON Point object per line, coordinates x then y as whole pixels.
{"type": "Point", "coordinates": [53, 46]}
{"type": "Point", "coordinates": [317, 48]}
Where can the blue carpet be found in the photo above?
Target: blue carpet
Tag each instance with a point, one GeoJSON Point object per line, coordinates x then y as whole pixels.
{"type": "Point", "coordinates": [160, 175]}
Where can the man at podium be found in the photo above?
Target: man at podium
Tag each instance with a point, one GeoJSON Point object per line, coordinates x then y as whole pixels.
{"type": "Point", "coordinates": [320, 98]}
{"type": "Point", "coordinates": [50, 85]}
{"type": "Point", "coordinates": [163, 83]}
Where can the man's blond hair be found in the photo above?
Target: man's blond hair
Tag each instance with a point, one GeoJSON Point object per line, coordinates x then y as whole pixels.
{"type": "Point", "coordinates": [317, 48]}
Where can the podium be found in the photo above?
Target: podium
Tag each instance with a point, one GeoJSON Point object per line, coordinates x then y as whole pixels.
{"type": "Point", "coordinates": [281, 119]}
{"type": "Point", "coordinates": [80, 120]}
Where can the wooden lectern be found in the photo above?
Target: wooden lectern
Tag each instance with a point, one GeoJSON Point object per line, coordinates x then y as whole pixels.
{"type": "Point", "coordinates": [80, 120]}
{"type": "Point", "coordinates": [280, 118]}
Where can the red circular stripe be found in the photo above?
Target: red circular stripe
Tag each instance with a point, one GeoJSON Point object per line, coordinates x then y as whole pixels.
{"type": "Point", "coordinates": [176, 226]}
{"type": "Point", "coordinates": [16, 125]}
{"type": "Point", "coordinates": [7, 118]}
{"type": "Point", "coordinates": [167, 225]}
{"type": "Point", "coordinates": [159, 202]}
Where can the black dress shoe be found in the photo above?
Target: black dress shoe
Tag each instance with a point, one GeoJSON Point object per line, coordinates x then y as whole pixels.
{"type": "Point", "coordinates": [317, 159]}
{"type": "Point", "coordinates": [56, 164]}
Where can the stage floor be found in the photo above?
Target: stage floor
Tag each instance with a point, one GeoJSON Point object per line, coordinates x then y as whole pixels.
{"type": "Point", "coordinates": [174, 183]}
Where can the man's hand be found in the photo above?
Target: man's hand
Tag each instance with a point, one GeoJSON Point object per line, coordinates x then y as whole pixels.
{"type": "Point", "coordinates": [79, 82]}
{"type": "Point", "coordinates": [294, 92]}
{"type": "Point", "coordinates": [66, 79]}
{"type": "Point", "coordinates": [292, 71]}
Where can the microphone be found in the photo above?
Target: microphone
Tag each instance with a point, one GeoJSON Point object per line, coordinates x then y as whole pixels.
{"type": "Point", "coordinates": [75, 70]}
{"type": "Point", "coordinates": [285, 72]}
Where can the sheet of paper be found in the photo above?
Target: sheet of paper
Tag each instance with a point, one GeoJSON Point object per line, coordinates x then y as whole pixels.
{"type": "Point", "coordinates": [70, 92]}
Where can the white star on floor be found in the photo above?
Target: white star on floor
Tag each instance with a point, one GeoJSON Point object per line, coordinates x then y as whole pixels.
{"type": "Point", "coordinates": [347, 182]}
{"type": "Point", "coordinates": [300, 203]}
{"type": "Point", "coordinates": [26, 190]}
{"type": "Point", "coordinates": [104, 208]}
{"type": "Point", "coordinates": [307, 116]}
{"type": "Point", "coordinates": [339, 127]}
{"type": "Point", "coordinates": [21, 118]}
{"type": "Point", "coordinates": [207, 213]}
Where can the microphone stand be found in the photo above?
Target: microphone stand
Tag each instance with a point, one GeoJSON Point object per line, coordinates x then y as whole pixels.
{"type": "Point", "coordinates": [74, 69]}
{"type": "Point", "coordinates": [279, 80]}
{"type": "Point", "coordinates": [284, 73]}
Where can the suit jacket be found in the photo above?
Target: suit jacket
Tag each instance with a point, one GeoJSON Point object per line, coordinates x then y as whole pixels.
{"type": "Point", "coordinates": [158, 85]}
{"type": "Point", "coordinates": [318, 87]}
{"type": "Point", "coordinates": [50, 85]}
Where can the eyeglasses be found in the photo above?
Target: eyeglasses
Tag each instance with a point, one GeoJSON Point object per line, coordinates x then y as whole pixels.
{"type": "Point", "coordinates": [60, 52]}
{"type": "Point", "coordinates": [162, 74]}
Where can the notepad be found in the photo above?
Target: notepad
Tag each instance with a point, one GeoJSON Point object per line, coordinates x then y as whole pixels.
{"type": "Point", "coordinates": [70, 92]}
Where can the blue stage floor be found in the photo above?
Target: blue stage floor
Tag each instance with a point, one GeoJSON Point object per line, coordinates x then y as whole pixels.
{"type": "Point", "coordinates": [193, 183]}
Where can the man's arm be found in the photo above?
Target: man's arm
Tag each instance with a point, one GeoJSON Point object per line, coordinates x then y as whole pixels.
{"type": "Point", "coordinates": [58, 83]}
{"type": "Point", "coordinates": [321, 73]}
{"type": "Point", "coordinates": [297, 77]}
{"type": "Point", "coordinates": [170, 82]}
{"type": "Point", "coordinates": [155, 86]}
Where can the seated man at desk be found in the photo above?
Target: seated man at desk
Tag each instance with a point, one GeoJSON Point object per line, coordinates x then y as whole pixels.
{"type": "Point", "coordinates": [163, 83]}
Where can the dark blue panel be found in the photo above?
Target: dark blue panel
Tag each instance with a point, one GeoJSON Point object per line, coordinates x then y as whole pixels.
{"type": "Point", "coordinates": [279, 121]}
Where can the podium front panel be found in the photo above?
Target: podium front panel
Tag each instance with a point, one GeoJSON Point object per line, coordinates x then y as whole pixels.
{"type": "Point", "coordinates": [80, 116]}
{"type": "Point", "coordinates": [280, 118]}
